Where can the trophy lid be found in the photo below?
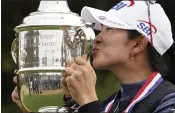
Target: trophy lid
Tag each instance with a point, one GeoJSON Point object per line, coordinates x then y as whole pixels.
{"type": "Point", "coordinates": [52, 12]}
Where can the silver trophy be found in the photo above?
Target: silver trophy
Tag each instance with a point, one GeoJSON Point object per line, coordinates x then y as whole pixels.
{"type": "Point", "coordinates": [44, 42]}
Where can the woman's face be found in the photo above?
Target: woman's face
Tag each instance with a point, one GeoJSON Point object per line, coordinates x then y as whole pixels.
{"type": "Point", "coordinates": [111, 48]}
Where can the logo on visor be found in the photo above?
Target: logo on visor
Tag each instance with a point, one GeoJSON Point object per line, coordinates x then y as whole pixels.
{"type": "Point", "coordinates": [145, 27]}
{"type": "Point", "coordinates": [122, 4]}
{"type": "Point", "coordinates": [110, 22]}
{"type": "Point", "coordinates": [102, 18]}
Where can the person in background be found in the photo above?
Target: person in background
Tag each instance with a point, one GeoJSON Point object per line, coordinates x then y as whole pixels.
{"type": "Point", "coordinates": [133, 37]}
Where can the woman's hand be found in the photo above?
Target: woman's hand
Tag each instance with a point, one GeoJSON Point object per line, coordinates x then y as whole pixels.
{"type": "Point", "coordinates": [63, 81]}
{"type": "Point", "coordinates": [81, 81]}
{"type": "Point", "coordinates": [64, 86]}
{"type": "Point", "coordinates": [14, 95]}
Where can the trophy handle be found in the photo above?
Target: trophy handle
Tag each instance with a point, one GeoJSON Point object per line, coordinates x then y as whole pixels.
{"type": "Point", "coordinates": [88, 33]}
{"type": "Point", "coordinates": [14, 53]}
{"type": "Point", "coordinates": [14, 49]}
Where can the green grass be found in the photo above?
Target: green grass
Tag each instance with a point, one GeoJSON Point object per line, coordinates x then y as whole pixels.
{"type": "Point", "coordinates": [34, 102]}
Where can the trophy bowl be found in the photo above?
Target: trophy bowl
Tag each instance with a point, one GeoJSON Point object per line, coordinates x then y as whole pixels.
{"type": "Point", "coordinates": [44, 42]}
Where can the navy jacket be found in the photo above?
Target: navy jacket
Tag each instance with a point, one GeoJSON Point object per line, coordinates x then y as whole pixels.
{"type": "Point", "coordinates": [162, 100]}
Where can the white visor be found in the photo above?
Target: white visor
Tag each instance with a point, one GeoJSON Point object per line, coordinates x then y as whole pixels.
{"type": "Point", "coordinates": [102, 17]}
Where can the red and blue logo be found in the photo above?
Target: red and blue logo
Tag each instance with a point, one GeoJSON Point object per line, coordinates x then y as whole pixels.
{"type": "Point", "coordinates": [122, 4]}
{"type": "Point", "coordinates": [145, 27]}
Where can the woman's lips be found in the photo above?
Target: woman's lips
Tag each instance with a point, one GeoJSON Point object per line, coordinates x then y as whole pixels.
{"type": "Point", "coordinates": [95, 50]}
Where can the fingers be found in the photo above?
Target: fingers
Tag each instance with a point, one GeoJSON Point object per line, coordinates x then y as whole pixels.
{"type": "Point", "coordinates": [79, 63]}
{"type": "Point", "coordinates": [70, 81]}
{"type": "Point", "coordinates": [78, 67]}
{"type": "Point", "coordinates": [15, 96]}
{"type": "Point", "coordinates": [81, 60]}
{"type": "Point", "coordinates": [68, 71]}
{"type": "Point", "coordinates": [85, 57]}
{"type": "Point", "coordinates": [66, 90]}
{"type": "Point", "coordinates": [63, 80]}
{"type": "Point", "coordinates": [15, 79]}
{"type": "Point", "coordinates": [69, 62]}
{"type": "Point", "coordinates": [64, 74]}
{"type": "Point", "coordinates": [64, 86]}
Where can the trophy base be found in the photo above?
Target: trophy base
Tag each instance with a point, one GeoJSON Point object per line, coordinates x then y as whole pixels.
{"type": "Point", "coordinates": [53, 109]}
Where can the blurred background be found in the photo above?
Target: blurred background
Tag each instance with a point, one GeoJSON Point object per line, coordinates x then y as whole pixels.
{"type": "Point", "coordinates": [13, 11]}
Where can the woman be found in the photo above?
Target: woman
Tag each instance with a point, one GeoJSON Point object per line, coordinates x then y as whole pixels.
{"type": "Point", "coordinates": [133, 35]}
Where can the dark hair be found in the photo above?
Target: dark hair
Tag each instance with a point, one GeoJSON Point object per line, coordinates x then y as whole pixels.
{"type": "Point", "coordinates": [164, 64]}
{"type": "Point", "coordinates": [171, 53]}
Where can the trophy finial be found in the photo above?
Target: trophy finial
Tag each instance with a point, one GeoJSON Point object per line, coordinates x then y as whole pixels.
{"type": "Point", "coordinates": [53, 6]}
